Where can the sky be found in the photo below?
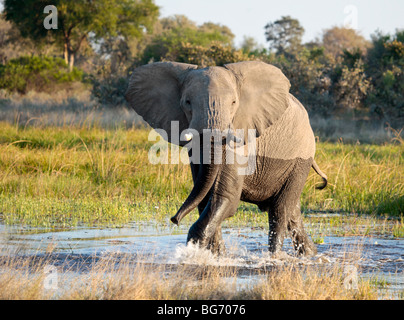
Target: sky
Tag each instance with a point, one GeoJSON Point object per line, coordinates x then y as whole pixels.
{"type": "Point", "coordinates": [249, 17]}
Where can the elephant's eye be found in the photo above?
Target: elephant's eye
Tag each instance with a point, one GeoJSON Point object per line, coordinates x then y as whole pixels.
{"type": "Point", "coordinates": [234, 102]}
{"type": "Point", "coordinates": [188, 102]}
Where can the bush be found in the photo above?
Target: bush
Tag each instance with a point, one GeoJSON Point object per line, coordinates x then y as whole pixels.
{"type": "Point", "coordinates": [41, 74]}
{"type": "Point", "coordinates": [216, 54]}
{"type": "Point", "coordinates": [309, 72]}
{"type": "Point", "coordinates": [213, 54]}
{"type": "Point", "coordinates": [110, 91]}
{"type": "Point", "coordinates": [385, 66]}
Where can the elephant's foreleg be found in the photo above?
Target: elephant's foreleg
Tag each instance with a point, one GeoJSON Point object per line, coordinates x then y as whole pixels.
{"type": "Point", "coordinates": [223, 201]}
{"type": "Point", "coordinates": [207, 229]}
{"type": "Point", "coordinates": [216, 243]}
{"type": "Point", "coordinates": [221, 205]}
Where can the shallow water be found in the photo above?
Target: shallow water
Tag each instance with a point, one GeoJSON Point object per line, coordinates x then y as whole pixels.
{"type": "Point", "coordinates": [246, 249]}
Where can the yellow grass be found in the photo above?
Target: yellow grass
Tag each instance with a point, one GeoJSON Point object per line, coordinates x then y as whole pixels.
{"type": "Point", "coordinates": [23, 278]}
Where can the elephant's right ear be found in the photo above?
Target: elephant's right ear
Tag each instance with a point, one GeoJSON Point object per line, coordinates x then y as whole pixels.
{"type": "Point", "coordinates": [154, 92]}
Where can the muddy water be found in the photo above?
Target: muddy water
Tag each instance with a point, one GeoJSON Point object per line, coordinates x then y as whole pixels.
{"type": "Point", "coordinates": [379, 258]}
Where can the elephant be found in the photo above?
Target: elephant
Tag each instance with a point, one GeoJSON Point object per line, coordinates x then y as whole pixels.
{"type": "Point", "coordinates": [235, 97]}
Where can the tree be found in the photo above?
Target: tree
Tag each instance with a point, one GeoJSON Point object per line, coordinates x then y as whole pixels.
{"type": "Point", "coordinates": [284, 34]}
{"type": "Point", "coordinates": [180, 25]}
{"type": "Point", "coordinates": [216, 54]}
{"type": "Point", "coordinates": [13, 45]}
{"type": "Point", "coordinates": [337, 39]}
{"type": "Point", "coordinates": [218, 32]}
{"type": "Point", "coordinates": [81, 19]}
{"type": "Point", "coordinates": [178, 31]}
{"type": "Point", "coordinates": [10, 41]}
{"type": "Point", "coordinates": [177, 21]}
{"type": "Point", "coordinates": [250, 46]}
{"type": "Point", "coordinates": [308, 71]}
{"type": "Point", "coordinates": [351, 84]}
{"type": "Point", "coordinates": [385, 67]}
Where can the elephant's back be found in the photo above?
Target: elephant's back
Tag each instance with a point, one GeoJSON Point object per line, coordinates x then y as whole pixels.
{"type": "Point", "coordinates": [290, 137]}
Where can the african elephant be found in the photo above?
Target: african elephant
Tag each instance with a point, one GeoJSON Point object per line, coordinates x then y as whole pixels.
{"type": "Point", "coordinates": [245, 95]}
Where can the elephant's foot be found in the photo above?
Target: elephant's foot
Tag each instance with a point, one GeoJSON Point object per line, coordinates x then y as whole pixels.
{"type": "Point", "coordinates": [216, 244]}
{"type": "Point", "coordinates": [213, 243]}
{"type": "Point", "coordinates": [303, 245]}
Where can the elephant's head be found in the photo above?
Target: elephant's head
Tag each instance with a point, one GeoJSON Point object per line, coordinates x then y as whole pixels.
{"type": "Point", "coordinates": [244, 95]}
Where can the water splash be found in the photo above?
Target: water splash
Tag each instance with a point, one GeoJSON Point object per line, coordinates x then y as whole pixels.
{"type": "Point", "coordinates": [194, 254]}
{"type": "Point", "coordinates": [240, 256]}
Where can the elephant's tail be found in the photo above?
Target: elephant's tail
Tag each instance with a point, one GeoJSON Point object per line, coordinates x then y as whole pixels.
{"type": "Point", "coordinates": [321, 174]}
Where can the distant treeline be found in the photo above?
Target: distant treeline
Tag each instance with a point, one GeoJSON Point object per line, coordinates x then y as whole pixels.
{"type": "Point", "coordinates": [340, 75]}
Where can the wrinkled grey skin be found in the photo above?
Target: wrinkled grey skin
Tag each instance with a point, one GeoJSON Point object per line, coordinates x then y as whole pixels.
{"type": "Point", "coordinates": [245, 95]}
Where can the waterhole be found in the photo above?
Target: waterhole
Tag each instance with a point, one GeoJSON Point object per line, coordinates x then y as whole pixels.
{"type": "Point", "coordinates": [374, 256]}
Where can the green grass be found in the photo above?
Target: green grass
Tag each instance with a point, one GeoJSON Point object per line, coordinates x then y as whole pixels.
{"type": "Point", "coordinates": [70, 175]}
{"type": "Point", "coordinates": [362, 179]}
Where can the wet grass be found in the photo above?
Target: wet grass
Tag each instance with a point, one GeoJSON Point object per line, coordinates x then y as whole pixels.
{"type": "Point", "coordinates": [54, 176]}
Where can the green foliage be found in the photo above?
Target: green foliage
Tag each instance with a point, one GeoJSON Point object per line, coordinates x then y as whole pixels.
{"type": "Point", "coordinates": [77, 19]}
{"type": "Point", "coordinates": [385, 65]}
{"type": "Point", "coordinates": [351, 84]}
{"type": "Point", "coordinates": [179, 34]}
{"type": "Point", "coordinates": [309, 72]}
{"type": "Point", "coordinates": [216, 54]}
{"type": "Point", "coordinates": [344, 75]}
{"type": "Point", "coordinates": [110, 91]}
{"type": "Point", "coordinates": [284, 34]}
{"type": "Point", "coordinates": [36, 73]}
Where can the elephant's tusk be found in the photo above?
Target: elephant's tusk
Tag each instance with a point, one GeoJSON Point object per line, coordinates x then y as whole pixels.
{"type": "Point", "coordinates": [188, 136]}
{"type": "Point", "coordinates": [236, 139]}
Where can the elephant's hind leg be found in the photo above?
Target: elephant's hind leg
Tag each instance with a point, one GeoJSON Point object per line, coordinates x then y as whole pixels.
{"type": "Point", "coordinates": [277, 228]}
{"type": "Point", "coordinates": [284, 211]}
{"type": "Point", "coordinates": [301, 241]}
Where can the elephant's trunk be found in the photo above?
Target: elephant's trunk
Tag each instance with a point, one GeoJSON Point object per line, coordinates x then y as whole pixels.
{"type": "Point", "coordinates": [206, 177]}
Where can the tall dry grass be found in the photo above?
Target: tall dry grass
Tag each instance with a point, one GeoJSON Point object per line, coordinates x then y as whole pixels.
{"type": "Point", "coordinates": [125, 279]}
{"type": "Point", "coordinates": [64, 108]}
{"type": "Point", "coordinates": [353, 130]}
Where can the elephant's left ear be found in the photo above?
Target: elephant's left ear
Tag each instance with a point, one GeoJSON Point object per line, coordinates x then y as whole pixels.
{"type": "Point", "coordinates": [264, 95]}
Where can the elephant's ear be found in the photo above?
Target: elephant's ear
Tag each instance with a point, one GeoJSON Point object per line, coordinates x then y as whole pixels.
{"type": "Point", "coordinates": [264, 95]}
{"type": "Point", "coordinates": [154, 92]}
